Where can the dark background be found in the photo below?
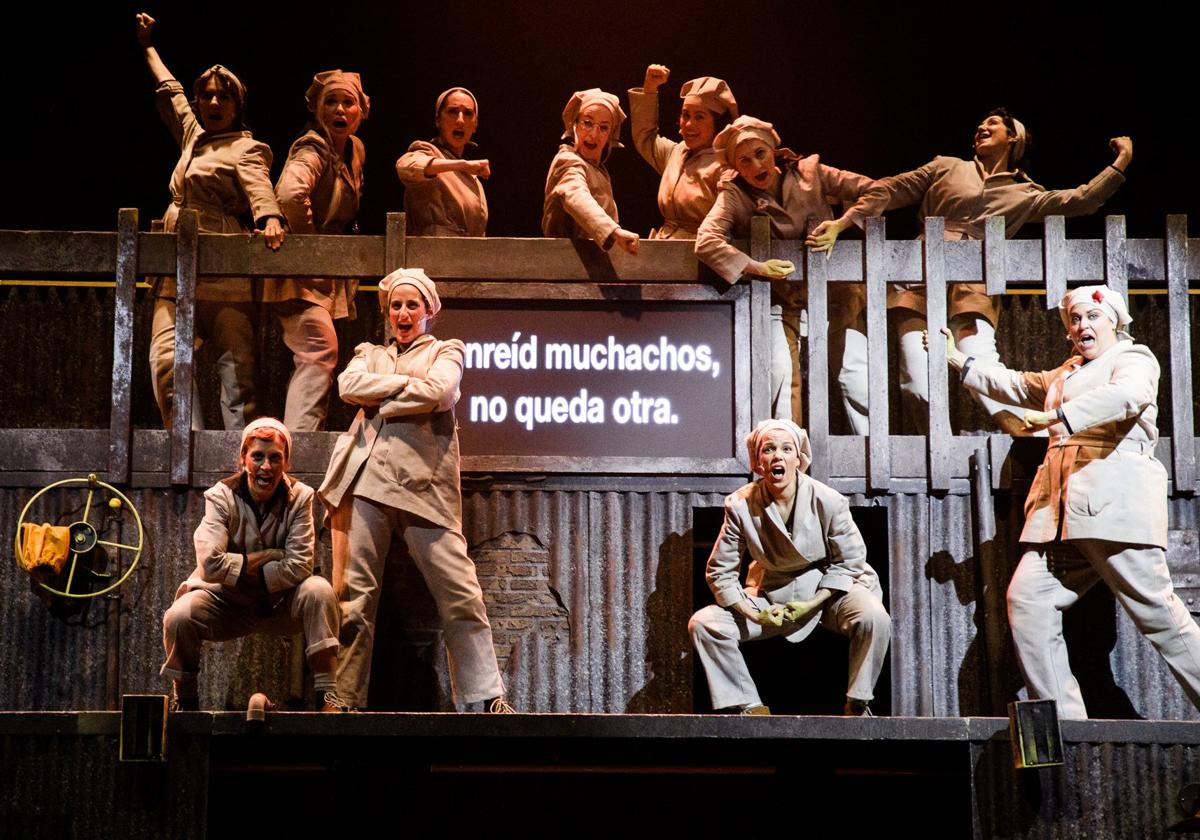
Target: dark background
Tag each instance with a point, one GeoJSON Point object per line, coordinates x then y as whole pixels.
{"type": "Point", "coordinates": [875, 88]}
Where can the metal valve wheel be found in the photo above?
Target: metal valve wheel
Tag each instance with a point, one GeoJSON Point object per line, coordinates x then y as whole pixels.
{"type": "Point", "coordinates": [102, 519]}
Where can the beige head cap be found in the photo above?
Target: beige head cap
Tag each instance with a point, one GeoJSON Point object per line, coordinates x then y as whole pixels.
{"type": "Point", "coordinates": [743, 128]}
{"type": "Point", "coordinates": [713, 93]}
{"type": "Point", "coordinates": [410, 277]}
{"type": "Point", "coordinates": [322, 83]}
{"type": "Point", "coordinates": [582, 99]}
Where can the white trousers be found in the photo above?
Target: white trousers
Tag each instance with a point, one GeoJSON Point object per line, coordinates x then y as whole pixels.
{"type": "Point", "coordinates": [847, 361]}
{"type": "Point", "coordinates": [716, 633]}
{"type": "Point", "coordinates": [976, 337]}
{"type": "Point", "coordinates": [1052, 577]}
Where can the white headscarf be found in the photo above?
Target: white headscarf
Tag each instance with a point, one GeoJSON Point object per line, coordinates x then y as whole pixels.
{"type": "Point", "coordinates": [754, 439]}
{"type": "Point", "coordinates": [1103, 298]}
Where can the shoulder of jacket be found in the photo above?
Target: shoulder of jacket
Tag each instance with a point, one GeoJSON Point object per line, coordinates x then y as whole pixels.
{"type": "Point", "coordinates": [299, 492]}
{"type": "Point", "coordinates": [422, 146]}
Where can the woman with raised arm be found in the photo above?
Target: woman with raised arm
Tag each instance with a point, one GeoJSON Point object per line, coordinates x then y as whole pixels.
{"type": "Point", "coordinates": [1097, 510]}
{"type": "Point", "coordinates": [967, 193]}
{"type": "Point", "coordinates": [319, 190]}
{"type": "Point", "coordinates": [690, 169]}
{"type": "Point", "coordinates": [443, 195]}
{"type": "Point", "coordinates": [579, 201]}
{"type": "Point", "coordinates": [396, 472]}
{"type": "Point", "coordinates": [794, 193]}
{"type": "Point", "coordinates": [223, 173]}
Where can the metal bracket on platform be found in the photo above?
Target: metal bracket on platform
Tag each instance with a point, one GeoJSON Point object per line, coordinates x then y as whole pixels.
{"type": "Point", "coordinates": [143, 727]}
{"type": "Point", "coordinates": [1035, 734]}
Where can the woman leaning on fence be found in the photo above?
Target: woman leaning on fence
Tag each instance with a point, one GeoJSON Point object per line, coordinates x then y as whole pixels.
{"type": "Point", "coordinates": [319, 190]}
{"type": "Point", "coordinates": [223, 173]}
{"type": "Point", "coordinates": [967, 193]}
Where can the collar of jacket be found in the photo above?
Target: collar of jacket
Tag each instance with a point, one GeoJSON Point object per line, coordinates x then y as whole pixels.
{"type": "Point", "coordinates": [1014, 174]}
{"type": "Point", "coordinates": [801, 507]}
{"type": "Point", "coordinates": [395, 351]}
{"type": "Point", "coordinates": [448, 152]}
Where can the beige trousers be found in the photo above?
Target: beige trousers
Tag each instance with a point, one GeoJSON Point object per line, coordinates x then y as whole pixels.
{"type": "Point", "coordinates": [230, 327]}
{"type": "Point", "coordinates": [202, 616]}
{"type": "Point", "coordinates": [362, 537]}
{"type": "Point", "coordinates": [308, 332]}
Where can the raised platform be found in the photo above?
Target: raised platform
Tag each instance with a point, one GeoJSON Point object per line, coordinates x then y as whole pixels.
{"type": "Point", "coordinates": [571, 773]}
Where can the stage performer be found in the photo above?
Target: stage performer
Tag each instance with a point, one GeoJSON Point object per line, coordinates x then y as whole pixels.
{"type": "Point", "coordinates": [690, 169]}
{"type": "Point", "coordinates": [1097, 509]}
{"type": "Point", "coordinates": [319, 190]}
{"type": "Point", "coordinates": [808, 566]}
{"type": "Point", "coordinates": [254, 569]}
{"type": "Point", "coordinates": [443, 195]}
{"type": "Point", "coordinates": [223, 173]}
{"type": "Point", "coordinates": [967, 193]}
{"type": "Point", "coordinates": [794, 193]}
{"type": "Point", "coordinates": [579, 201]}
{"type": "Point", "coordinates": [396, 472]}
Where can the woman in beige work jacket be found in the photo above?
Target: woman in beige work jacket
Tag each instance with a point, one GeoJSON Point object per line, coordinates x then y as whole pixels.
{"type": "Point", "coordinates": [967, 193]}
{"type": "Point", "coordinates": [396, 471]}
{"type": "Point", "coordinates": [690, 169]}
{"type": "Point", "coordinates": [794, 193]}
{"type": "Point", "coordinates": [223, 173]}
{"type": "Point", "coordinates": [319, 190]}
{"type": "Point", "coordinates": [1097, 509]}
{"type": "Point", "coordinates": [579, 201]}
{"type": "Point", "coordinates": [443, 195]}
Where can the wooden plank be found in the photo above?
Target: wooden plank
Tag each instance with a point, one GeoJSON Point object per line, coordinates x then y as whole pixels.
{"type": "Point", "coordinates": [186, 258]}
{"type": "Point", "coordinates": [760, 324]}
{"type": "Point", "coordinates": [242, 255]}
{"type": "Point", "coordinates": [57, 252]}
{"type": "Point", "coordinates": [994, 251]}
{"type": "Point", "coordinates": [119, 424]}
{"type": "Point", "coordinates": [1054, 258]}
{"type": "Point", "coordinates": [468, 290]}
{"type": "Point", "coordinates": [875, 270]}
{"type": "Point", "coordinates": [1179, 325]}
{"type": "Point", "coordinates": [744, 379]}
{"type": "Point", "coordinates": [397, 243]}
{"type": "Point", "coordinates": [1116, 274]}
{"type": "Point", "coordinates": [937, 439]}
{"type": "Point", "coordinates": [658, 261]}
{"type": "Point", "coordinates": [818, 364]}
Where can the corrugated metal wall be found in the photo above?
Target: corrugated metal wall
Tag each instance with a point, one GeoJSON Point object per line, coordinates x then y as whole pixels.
{"type": "Point", "coordinates": [1104, 790]}
{"type": "Point", "coordinates": [604, 631]}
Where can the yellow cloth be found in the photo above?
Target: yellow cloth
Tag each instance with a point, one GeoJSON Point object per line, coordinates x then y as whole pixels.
{"type": "Point", "coordinates": [44, 545]}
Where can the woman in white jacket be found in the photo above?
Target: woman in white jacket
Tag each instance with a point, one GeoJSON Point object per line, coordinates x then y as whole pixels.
{"type": "Point", "coordinates": [1097, 509]}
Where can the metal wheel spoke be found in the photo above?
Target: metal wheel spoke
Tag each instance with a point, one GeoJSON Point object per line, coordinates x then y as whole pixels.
{"type": "Point", "coordinates": [71, 575]}
{"type": "Point", "coordinates": [87, 507]}
{"type": "Point", "coordinates": [119, 545]}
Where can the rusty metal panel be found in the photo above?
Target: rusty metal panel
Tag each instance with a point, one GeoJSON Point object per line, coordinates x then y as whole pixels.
{"type": "Point", "coordinates": [1104, 790]}
{"type": "Point", "coordinates": [542, 646]}
{"type": "Point", "coordinates": [912, 644]}
{"type": "Point", "coordinates": [47, 663]}
{"type": "Point", "coordinates": [65, 781]}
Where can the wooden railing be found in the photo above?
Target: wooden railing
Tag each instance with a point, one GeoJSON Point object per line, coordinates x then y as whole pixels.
{"type": "Point", "coordinates": [561, 269]}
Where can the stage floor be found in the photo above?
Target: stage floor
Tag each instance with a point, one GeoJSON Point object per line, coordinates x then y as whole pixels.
{"type": "Point", "coordinates": [526, 774]}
